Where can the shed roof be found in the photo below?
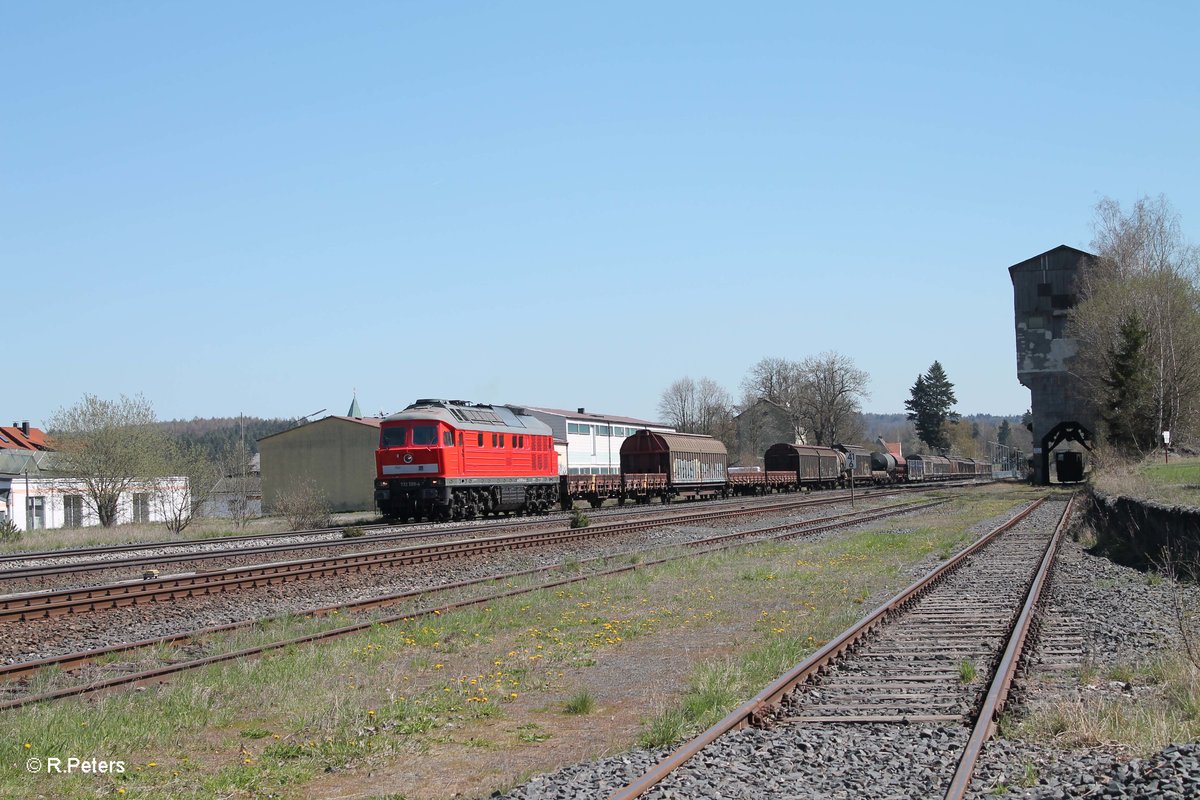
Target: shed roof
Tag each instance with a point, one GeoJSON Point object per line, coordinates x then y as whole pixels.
{"type": "Point", "coordinates": [1036, 263]}
{"type": "Point", "coordinates": [587, 415]}
{"type": "Point", "coordinates": [371, 422]}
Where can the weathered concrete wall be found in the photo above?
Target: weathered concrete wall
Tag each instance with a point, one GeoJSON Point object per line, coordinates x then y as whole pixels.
{"type": "Point", "coordinates": [1134, 532]}
{"type": "Point", "coordinates": [334, 454]}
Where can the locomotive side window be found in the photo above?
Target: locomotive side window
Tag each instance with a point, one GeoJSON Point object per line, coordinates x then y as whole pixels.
{"type": "Point", "coordinates": [493, 440]}
{"type": "Point", "coordinates": [425, 435]}
{"type": "Point", "coordinates": [448, 438]}
{"type": "Point", "coordinates": [460, 438]}
{"type": "Point", "coordinates": [481, 440]}
{"type": "Point", "coordinates": [521, 442]}
{"type": "Point", "coordinates": [393, 437]}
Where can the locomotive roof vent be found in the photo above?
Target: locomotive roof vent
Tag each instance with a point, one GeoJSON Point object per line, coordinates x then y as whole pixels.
{"type": "Point", "coordinates": [582, 410]}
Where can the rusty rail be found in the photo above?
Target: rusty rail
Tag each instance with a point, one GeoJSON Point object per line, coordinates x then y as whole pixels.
{"type": "Point", "coordinates": [716, 544]}
{"type": "Point", "coordinates": [997, 694]}
{"type": "Point", "coordinates": [760, 703]}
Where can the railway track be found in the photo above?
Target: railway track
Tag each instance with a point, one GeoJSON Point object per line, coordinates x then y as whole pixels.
{"type": "Point", "coordinates": [155, 589]}
{"type": "Point", "coordinates": [706, 545]}
{"type": "Point", "coordinates": [24, 565]}
{"type": "Point", "coordinates": [934, 662]}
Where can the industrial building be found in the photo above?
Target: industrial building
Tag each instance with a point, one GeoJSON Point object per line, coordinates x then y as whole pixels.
{"type": "Point", "coordinates": [1044, 292]}
{"type": "Point", "coordinates": [334, 454]}
{"type": "Point", "coordinates": [590, 443]}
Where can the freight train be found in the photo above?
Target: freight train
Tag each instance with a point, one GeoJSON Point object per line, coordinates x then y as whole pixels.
{"type": "Point", "coordinates": [449, 459]}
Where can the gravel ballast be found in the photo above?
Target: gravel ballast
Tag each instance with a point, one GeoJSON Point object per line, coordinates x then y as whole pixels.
{"type": "Point", "coordinates": [1125, 617]}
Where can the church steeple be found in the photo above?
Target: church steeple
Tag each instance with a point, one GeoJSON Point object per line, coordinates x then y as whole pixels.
{"type": "Point", "coordinates": [354, 411]}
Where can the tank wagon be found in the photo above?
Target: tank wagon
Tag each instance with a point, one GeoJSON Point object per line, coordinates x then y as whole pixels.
{"type": "Point", "coordinates": [449, 459]}
{"type": "Point", "coordinates": [888, 468]}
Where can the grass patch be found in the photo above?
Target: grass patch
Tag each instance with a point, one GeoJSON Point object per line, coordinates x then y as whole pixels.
{"type": "Point", "coordinates": [966, 672]}
{"type": "Point", "coordinates": [1176, 483]}
{"type": "Point", "coordinates": [444, 683]}
{"type": "Point", "coordinates": [1166, 709]}
{"type": "Point", "coordinates": [582, 702]}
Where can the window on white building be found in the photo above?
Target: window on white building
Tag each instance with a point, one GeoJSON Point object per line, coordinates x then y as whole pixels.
{"type": "Point", "coordinates": [35, 513]}
{"type": "Point", "coordinates": [73, 511]}
{"type": "Point", "coordinates": [141, 507]}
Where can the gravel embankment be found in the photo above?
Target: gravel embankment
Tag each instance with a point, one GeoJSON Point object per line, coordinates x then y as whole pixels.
{"type": "Point", "coordinates": [1124, 618]}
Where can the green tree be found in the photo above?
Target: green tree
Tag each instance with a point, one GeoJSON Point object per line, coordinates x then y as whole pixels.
{"type": "Point", "coordinates": [111, 447]}
{"type": "Point", "coordinates": [929, 407]}
{"type": "Point", "coordinates": [1130, 410]}
{"type": "Point", "coordinates": [1004, 433]}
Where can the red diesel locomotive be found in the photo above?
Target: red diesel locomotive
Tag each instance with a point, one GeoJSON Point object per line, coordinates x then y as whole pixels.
{"type": "Point", "coordinates": [450, 459]}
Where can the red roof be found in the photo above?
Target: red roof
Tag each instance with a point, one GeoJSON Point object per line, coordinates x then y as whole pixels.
{"type": "Point", "coordinates": [11, 438]}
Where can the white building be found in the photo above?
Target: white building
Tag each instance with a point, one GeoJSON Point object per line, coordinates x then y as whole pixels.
{"type": "Point", "coordinates": [34, 497]}
{"type": "Point", "coordinates": [591, 443]}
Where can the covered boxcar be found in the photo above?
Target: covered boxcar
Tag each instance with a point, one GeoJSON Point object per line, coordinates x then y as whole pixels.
{"type": "Point", "coordinates": [922, 467]}
{"type": "Point", "coordinates": [858, 463]}
{"type": "Point", "coordinates": [810, 467]}
{"type": "Point", "coordinates": [673, 465]}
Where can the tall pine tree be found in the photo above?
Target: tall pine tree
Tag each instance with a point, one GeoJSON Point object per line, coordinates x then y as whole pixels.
{"type": "Point", "coordinates": [929, 407]}
{"type": "Point", "coordinates": [1129, 411]}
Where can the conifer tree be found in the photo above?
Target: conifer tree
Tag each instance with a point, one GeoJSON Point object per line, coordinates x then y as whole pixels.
{"type": "Point", "coordinates": [929, 407]}
{"type": "Point", "coordinates": [1129, 411]}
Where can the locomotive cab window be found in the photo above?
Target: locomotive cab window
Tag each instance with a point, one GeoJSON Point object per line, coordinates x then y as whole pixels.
{"type": "Point", "coordinates": [448, 438]}
{"type": "Point", "coordinates": [394, 437]}
{"type": "Point", "coordinates": [425, 435]}
{"type": "Point", "coordinates": [461, 439]}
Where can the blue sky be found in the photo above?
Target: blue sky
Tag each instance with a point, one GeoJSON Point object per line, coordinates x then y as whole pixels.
{"type": "Point", "coordinates": [259, 207]}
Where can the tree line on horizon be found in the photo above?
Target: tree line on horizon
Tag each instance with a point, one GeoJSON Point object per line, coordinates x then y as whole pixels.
{"type": "Point", "coordinates": [824, 395]}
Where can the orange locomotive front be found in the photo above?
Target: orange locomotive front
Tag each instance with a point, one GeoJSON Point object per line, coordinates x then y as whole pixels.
{"type": "Point", "coordinates": [448, 459]}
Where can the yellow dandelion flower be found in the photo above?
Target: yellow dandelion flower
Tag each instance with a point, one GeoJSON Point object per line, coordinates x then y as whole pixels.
{"type": "Point", "coordinates": [28, 745]}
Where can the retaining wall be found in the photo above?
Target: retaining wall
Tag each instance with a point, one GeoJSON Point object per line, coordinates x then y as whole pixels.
{"type": "Point", "coordinates": [1135, 532]}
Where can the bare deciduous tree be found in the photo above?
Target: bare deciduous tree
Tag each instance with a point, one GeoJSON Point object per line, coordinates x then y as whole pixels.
{"type": "Point", "coordinates": [828, 401]}
{"type": "Point", "coordinates": [109, 446]}
{"type": "Point", "coordinates": [238, 483]}
{"type": "Point", "coordinates": [1145, 269]}
{"type": "Point", "coordinates": [179, 505]}
{"type": "Point", "coordinates": [701, 406]}
{"type": "Point", "coordinates": [774, 379]}
{"type": "Point", "coordinates": [304, 506]}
